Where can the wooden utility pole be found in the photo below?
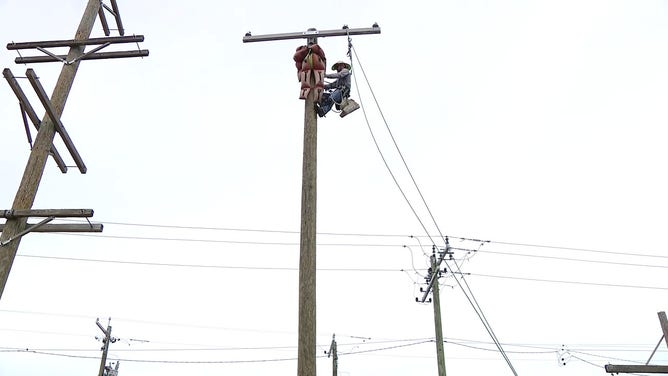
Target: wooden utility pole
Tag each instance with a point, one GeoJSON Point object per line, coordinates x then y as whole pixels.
{"type": "Point", "coordinates": [307, 259]}
{"type": "Point", "coordinates": [440, 356]}
{"type": "Point", "coordinates": [105, 346]}
{"type": "Point", "coordinates": [306, 353]}
{"type": "Point", "coordinates": [32, 175]}
{"type": "Point", "coordinates": [17, 218]}
{"type": "Point", "coordinates": [335, 356]}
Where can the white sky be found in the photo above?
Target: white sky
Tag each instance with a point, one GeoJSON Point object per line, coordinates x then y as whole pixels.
{"type": "Point", "coordinates": [523, 123]}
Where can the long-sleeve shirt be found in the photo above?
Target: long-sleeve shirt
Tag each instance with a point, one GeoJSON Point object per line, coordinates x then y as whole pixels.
{"type": "Point", "coordinates": [342, 80]}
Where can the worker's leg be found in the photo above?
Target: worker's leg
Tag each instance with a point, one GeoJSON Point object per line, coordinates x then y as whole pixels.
{"type": "Point", "coordinates": [325, 104]}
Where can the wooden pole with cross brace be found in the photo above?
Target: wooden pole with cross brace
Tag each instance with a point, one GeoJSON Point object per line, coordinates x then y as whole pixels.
{"type": "Point", "coordinates": [17, 218]}
{"type": "Point", "coordinates": [306, 353]}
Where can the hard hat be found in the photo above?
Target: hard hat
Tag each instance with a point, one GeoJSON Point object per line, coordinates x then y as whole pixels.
{"type": "Point", "coordinates": [346, 65]}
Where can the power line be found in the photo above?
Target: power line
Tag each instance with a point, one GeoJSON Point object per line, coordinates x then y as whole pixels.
{"type": "Point", "coordinates": [237, 229]}
{"type": "Point", "coordinates": [574, 259]}
{"type": "Point", "coordinates": [292, 347]}
{"type": "Point", "coordinates": [579, 249]}
{"type": "Point", "coordinates": [271, 268]}
{"type": "Point", "coordinates": [209, 266]}
{"type": "Point", "coordinates": [569, 282]}
{"type": "Point", "coordinates": [467, 291]}
{"type": "Point", "coordinates": [237, 361]}
{"type": "Point", "coordinates": [519, 244]}
{"type": "Point", "coordinates": [379, 246]}
{"type": "Point", "coordinates": [382, 156]}
{"type": "Point", "coordinates": [157, 238]}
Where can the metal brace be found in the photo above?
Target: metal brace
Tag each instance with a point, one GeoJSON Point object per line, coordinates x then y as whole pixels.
{"type": "Point", "coordinates": [29, 229]}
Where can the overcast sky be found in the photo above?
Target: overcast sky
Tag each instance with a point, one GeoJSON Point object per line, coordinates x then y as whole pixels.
{"type": "Point", "coordinates": [535, 126]}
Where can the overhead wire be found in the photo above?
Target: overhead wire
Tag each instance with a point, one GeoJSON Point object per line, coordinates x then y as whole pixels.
{"type": "Point", "coordinates": [276, 268]}
{"type": "Point", "coordinates": [382, 156]}
{"type": "Point", "coordinates": [569, 282]}
{"type": "Point", "coordinates": [416, 237]}
{"type": "Point", "coordinates": [146, 263]}
{"type": "Point", "coordinates": [236, 361]}
{"type": "Point", "coordinates": [468, 293]}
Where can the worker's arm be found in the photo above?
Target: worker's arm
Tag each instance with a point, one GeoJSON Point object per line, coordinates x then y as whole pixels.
{"type": "Point", "coordinates": [344, 72]}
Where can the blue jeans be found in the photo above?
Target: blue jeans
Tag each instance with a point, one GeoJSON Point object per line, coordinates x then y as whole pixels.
{"type": "Point", "coordinates": [329, 99]}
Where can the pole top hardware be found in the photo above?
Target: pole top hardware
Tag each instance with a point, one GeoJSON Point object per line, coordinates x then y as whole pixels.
{"type": "Point", "coordinates": [310, 33]}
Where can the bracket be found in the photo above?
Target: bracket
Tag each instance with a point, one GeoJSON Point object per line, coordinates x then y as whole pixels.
{"type": "Point", "coordinates": [51, 111]}
{"type": "Point", "coordinates": [51, 214]}
{"type": "Point", "coordinates": [11, 214]}
{"type": "Point", "coordinates": [114, 12]}
{"type": "Point", "coordinates": [90, 55]}
{"type": "Point", "coordinates": [27, 230]}
{"type": "Point", "coordinates": [613, 368]}
{"type": "Point", "coordinates": [27, 109]}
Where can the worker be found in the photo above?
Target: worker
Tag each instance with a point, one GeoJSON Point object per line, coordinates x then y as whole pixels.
{"type": "Point", "coordinates": [337, 92]}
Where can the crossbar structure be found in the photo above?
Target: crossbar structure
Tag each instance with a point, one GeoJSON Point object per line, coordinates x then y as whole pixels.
{"type": "Point", "coordinates": [312, 33]}
{"type": "Point", "coordinates": [16, 225]}
{"type": "Point", "coordinates": [28, 111]}
{"type": "Point", "coordinates": [646, 368]}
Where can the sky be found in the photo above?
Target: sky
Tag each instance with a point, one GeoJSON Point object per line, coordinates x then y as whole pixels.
{"type": "Point", "coordinates": [531, 133]}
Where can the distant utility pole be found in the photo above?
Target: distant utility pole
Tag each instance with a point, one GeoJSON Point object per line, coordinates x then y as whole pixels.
{"type": "Point", "coordinates": [433, 274]}
{"type": "Point", "coordinates": [17, 218]}
{"type": "Point", "coordinates": [306, 353]}
{"type": "Point", "coordinates": [334, 355]}
{"type": "Point", "coordinates": [440, 356]}
{"type": "Point", "coordinates": [104, 370]}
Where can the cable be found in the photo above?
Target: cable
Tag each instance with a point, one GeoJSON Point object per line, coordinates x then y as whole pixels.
{"type": "Point", "coordinates": [482, 317]}
{"type": "Point", "coordinates": [578, 260]}
{"type": "Point", "coordinates": [232, 229]}
{"type": "Point", "coordinates": [208, 266]}
{"type": "Point", "coordinates": [416, 237]}
{"type": "Point", "coordinates": [218, 241]}
{"type": "Point", "coordinates": [210, 361]}
{"type": "Point", "coordinates": [382, 115]}
{"type": "Point", "coordinates": [387, 166]}
{"type": "Point", "coordinates": [578, 249]}
{"type": "Point", "coordinates": [570, 282]}
{"type": "Point", "coordinates": [380, 245]}
{"type": "Point", "coordinates": [467, 291]}
{"type": "Point", "coordinates": [586, 361]}
{"type": "Point", "coordinates": [328, 270]}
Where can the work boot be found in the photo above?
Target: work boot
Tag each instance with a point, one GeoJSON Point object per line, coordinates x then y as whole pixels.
{"type": "Point", "coordinates": [352, 106]}
{"type": "Point", "coordinates": [319, 110]}
{"type": "Point", "coordinates": [343, 104]}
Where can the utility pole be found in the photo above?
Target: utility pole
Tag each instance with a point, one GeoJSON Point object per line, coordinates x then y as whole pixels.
{"type": "Point", "coordinates": [17, 218]}
{"type": "Point", "coordinates": [334, 355]}
{"type": "Point", "coordinates": [440, 356]}
{"type": "Point", "coordinates": [105, 347]}
{"type": "Point", "coordinates": [306, 353]}
{"type": "Point", "coordinates": [433, 274]}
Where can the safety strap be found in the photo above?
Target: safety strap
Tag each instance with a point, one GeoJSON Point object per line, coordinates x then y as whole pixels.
{"type": "Point", "coordinates": [350, 47]}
